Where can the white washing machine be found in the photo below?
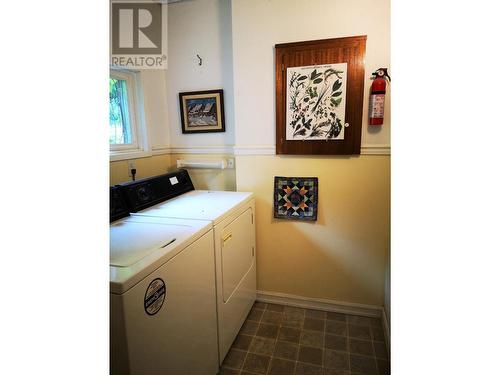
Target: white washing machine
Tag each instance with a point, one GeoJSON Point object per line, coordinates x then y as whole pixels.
{"type": "Point", "coordinates": [232, 216]}
{"type": "Point", "coordinates": [163, 297]}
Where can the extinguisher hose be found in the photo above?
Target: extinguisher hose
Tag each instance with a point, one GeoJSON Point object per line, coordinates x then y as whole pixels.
{"type": "Point", "coordinates": [382, 72]}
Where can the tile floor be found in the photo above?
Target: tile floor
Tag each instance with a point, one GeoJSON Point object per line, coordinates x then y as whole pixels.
{"type": "Point", "coordinates": [285, 340]}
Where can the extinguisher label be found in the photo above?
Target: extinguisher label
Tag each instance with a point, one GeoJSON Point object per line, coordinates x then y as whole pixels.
{"type": "Point", "coordinates": [376, 108]}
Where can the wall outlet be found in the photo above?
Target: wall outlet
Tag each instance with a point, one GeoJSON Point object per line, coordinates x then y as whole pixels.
{"type": "Point", "coordinates": [131, 165]}
{"type": "Point", "coordinates": [230, 163]}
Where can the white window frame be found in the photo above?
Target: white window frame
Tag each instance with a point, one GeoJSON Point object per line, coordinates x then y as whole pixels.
{"type": "Point", "coordinates": [140, 146]}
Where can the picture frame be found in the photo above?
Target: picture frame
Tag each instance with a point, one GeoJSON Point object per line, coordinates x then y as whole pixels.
{"type": "Point", "coordinates": [202, 111]}
{"type": "Point", "coordinates": [296, 198]}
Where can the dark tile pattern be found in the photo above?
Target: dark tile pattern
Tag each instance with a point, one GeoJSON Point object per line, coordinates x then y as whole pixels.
{"type": "Point", "coordinates": [359, 332]}
{"type": "Point", "coordinates": [242, 342]}
{"type": "Point", "coordinates": [314, 324]}
{"type": "Point", "coordinates": [307, 369]}
{"type": "Point", "coordinates": [272, 317]}
{"type": "Point", "coordinates": [268, 330]}
{"type": "Point", "coordinates": [281, 367]}
{"type": "Point", "coordinates": [274, 307]}
{"type": "Point", "coordinates": [383, 367]}
{"type": "Point", "coordinates": [336, 360]}
{"type": "Point", "coordinates": [360, 346]}
{"type": "Point", "coordinates": [380, 350]}
{"type": "Point", "coordinates": [262, 345]}
{"type": "Point", "coordinates": [335, 342]}
{"type": "Point", "coordinates": [255, 315]}
{"type": "Point", "coordinates": [256, 363]}
{"type": "Point", "coordinates": [363, 365]}
{"type": "Point", "coordinates": [336, 316]}
{"type": "Point", "coordinates": [311, 355]}
{"type": "Point", "coordinates": [315, 339]}
{"type": "Point", "coordinates": [228, 371]}
{"type": "Point", "coordinates": [289, 334]}
{"type": "Point", "coordinates": [234, 359]}
{"type": "Point", "coordinates": [336, 328]}
{"type": "Point", "coordinates": [378, 334]}
{"type": "Point", "coordinates": [249, 328]}
{"type": "Point", "coordinates": [286, 350]}
{"type": "Point", "coordinates": [287, 340]}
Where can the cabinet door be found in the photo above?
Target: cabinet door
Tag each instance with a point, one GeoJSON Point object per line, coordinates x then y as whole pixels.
{"type": "Point", "coordinates": [236, 252]}
{"type": "Point", "coordinates": [349, 50]}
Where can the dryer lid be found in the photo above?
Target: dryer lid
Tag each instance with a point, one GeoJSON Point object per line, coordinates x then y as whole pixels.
{"type": "Point", "coordinates": [200, 204]}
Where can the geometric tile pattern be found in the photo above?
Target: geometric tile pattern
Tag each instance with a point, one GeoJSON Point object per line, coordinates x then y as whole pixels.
{"type": "Point", "coordinates": [296, 198]}
{"type": "Point", "coordinates": [285, 340]}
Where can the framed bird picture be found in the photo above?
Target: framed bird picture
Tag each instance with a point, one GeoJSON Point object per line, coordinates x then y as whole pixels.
{"type": "Point", "coordinates": [319, 96]}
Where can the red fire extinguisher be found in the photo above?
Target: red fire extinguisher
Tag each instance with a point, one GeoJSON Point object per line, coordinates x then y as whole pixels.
{"type": "Point", "coordinates": [377, 97]}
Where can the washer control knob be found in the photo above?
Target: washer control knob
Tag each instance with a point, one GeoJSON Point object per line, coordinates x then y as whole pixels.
{"type": "Point", "coordinates": [143, 194]}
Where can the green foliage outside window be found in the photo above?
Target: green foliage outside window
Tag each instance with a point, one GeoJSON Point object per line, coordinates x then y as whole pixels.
{"type": "Point", "coordinates": [119, 117]}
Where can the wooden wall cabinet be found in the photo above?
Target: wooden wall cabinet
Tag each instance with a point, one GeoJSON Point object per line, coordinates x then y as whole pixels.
{"type": "Point", "coordinates": [349, 50]}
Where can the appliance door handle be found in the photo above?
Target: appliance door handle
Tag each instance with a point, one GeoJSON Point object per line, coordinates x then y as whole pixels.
{"type": "Point", "coordinates": [168, 243]}
{"type": "Point", "coordinates": [226, 238]}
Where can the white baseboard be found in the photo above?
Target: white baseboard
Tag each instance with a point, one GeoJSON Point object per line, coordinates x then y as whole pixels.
{"type": "Point", "coordinates": [320, 304]}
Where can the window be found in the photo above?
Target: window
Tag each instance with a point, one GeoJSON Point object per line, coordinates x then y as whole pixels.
{"type": "Point", "coordinates": [127, 131]}
{"type": "Point", "coordinates": [119, 116]}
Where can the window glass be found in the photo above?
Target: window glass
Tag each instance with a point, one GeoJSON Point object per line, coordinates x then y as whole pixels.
{"type": "Point", "coordinates": [120, 131]}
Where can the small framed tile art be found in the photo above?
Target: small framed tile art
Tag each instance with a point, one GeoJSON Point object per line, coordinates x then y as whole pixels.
{"type": "Point", "coordinates": [296, 198]}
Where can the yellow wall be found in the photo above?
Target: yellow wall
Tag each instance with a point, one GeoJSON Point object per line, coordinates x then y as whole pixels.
{"type": "Point", "coordinates": [204, 179]}
{"type": "Point", "coordinates": [209, 179]}
{"type": "Point", "coordinates": [146, 167]}
{"type": "Point", "coordinates": [343, 255]}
